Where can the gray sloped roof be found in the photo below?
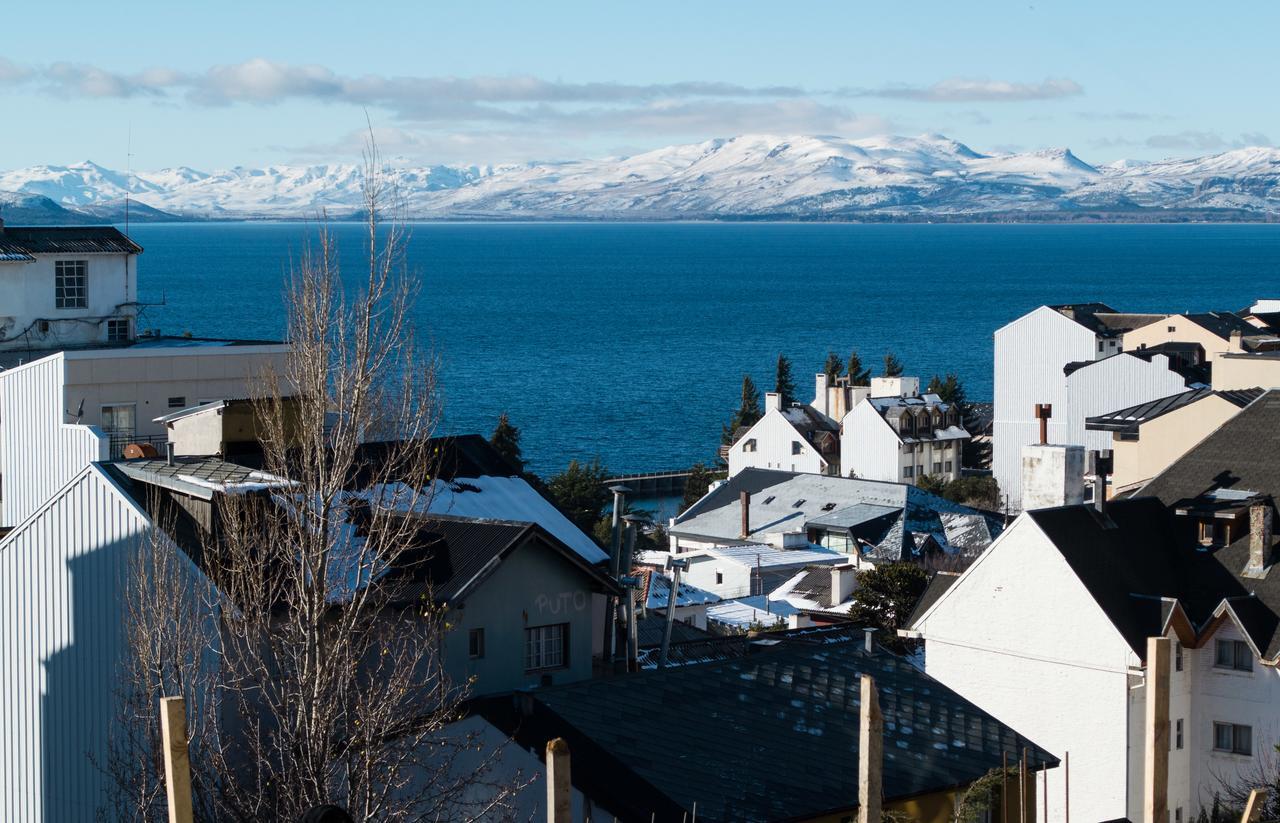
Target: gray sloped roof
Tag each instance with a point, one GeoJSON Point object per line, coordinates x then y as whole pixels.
{"type": "Point", "coordinates": [746, 725]}
{"type": "Point", "coordinates": [1127, 420]}
{"type": "Point", "coordinates": [32, 240]}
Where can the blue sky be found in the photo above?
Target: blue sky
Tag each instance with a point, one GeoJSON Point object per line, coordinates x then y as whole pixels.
{"type": "Point", "coordinates": [238, 83]}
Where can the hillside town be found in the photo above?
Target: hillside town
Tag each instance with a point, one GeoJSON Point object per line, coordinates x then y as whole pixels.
{"type": "Point", "coordinates": [253, 579]}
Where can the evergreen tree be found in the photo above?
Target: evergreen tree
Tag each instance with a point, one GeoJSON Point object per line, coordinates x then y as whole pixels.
{"type": "Point", "coordinates": [748, 412]}
{"type": "Point", "coordinates": [506, 442]}
{"type": "Point", "coordinates": [892, 365]}
{"type": "Point", "coordinates": [580, 493]}
{"type": "Point", "coordinates": [833, 367]}
{"type": "Point", "coordinates": [784, 385]}
{"type": "Point", "coordinates": [858, 376]}
{"type": "Point", "coordinates": [699, 482]}
{"type": "Point", "coordinates": [885, 597]}
{"type": "Point", "coordinates": [950, 390]}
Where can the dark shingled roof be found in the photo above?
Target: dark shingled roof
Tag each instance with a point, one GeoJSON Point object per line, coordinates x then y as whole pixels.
{"type": "Point", "coordinates": [21, 242]}
{"type": "Point", "coordinates": [650, 631]}
{"type": "Point", "coordinates": [1223, 323]}
{"type": "Point", "coordinates": [939, 582]}
{"type": "Point", "coordinates": [1103, 320]}
{"type": "Point", "coordinates": [1127, 421]}
{"type": "Point", "coordinates": [744, 729]}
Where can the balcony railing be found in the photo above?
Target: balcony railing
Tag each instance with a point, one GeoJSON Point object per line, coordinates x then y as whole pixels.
{"type": "Point", "coordinates": [121, 439]}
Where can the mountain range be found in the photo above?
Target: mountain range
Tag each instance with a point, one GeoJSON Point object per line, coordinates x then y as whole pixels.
{"type": "Point", "coordinates": [747, 177]}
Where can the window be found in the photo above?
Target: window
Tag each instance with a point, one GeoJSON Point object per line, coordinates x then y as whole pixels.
{"type": "Point", "coordinates": [1100, 345]}
{"type": "Point", "coordinates": [69, 287]}
{"type": "Point", "coordinates": [796, 447]}
{"type": "Point", "coordinates": [919, 470]}
{"type": "Point", "coordinates": [1177, 661]}
{"type": "Point", "coordinates": [475, 644]}
{"type": "Point", "coordinates": [937, 467]}
{"type": "Point", "coordinates": [118, 330]}
{"type": "Point", "coordinates": [907, 471]}
{"type": "Point", "coordinates": [1172, 329]}
{"type": "Point", "coordinates": [1177, 734]}
{"type": "Point", "coordinates": [749, 445]}
{"type": "Point", "coordinates": [178, 402]}
{"type": "Point", "coordinates": [1233, 654]}
{"type": "Point", "coordinates": [947, 466]}
{"type": "Point", "coordinates": [1177, 815]}
{"type": "Point", "coordinates": [1232, 737]}
{"type": "Point", "coordinates": [544, 647]}
{"type": "Point", "coordinates": [117, 423]}
{"type": "Point", "coordinates": [719, 579]}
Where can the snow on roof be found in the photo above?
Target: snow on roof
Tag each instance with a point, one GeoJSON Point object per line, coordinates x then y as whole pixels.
{"type": "Point", "coordinates": [657, 587]}
{"type": "Point", "coordinates": [746, 611]}
{"type": "Point", "coordinates": [766, 556]}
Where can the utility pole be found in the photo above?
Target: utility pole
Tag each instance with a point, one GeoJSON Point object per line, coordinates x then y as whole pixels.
{"type": "Point", "coordinates": [629, 612]}
{"type": "Point", "coordinates": [615, 557]}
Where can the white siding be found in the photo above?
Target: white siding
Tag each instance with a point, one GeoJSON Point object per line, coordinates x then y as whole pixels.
{"type": "Point", "coordinates": [1021, 637]}
{"type": "Point", "coordinates": [869, 447]}
{"type": "Point", "coordinates": [1029, 355]}
{"type": "Point", "coordinates": [39, 453]}
{"type": "Point", "coordinates": [1111, 384]}
{"type": "Point", "coordinates": [60, 624]}
{"type": "Point", "coordinates": [774, 435]}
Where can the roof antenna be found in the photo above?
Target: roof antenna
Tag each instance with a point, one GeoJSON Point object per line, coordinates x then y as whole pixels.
{"type": "Point", "coordinates": [128, 164]}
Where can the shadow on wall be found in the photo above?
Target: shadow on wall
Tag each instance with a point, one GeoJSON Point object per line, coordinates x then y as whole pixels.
{"type": "Point", "coordinates": [81, 681]}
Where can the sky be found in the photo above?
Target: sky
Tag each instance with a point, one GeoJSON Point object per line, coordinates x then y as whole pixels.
{"type": "Point", "coordinates": [157, 85]}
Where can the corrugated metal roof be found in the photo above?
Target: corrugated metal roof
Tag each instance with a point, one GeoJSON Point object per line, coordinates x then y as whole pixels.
{"type": "Point", "coordinates": [29, 240]}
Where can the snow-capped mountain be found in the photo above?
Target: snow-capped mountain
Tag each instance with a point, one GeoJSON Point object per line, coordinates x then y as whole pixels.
{"type": "Point", "coordinates": [751, 176]}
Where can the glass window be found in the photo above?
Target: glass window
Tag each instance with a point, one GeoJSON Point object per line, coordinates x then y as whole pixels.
{"type": "Point", "coordinates": [719, 578]}
{"type": "Point", "coordinates": [1177, 734]}
{"type": "Point", "coordinates": [947, 466]}
{"type": "Point", "coordinates": [1233, 737]}
{"type": "Point", "coordinates": [796, 447]}
{"type": "Point", "coordinates": [117, 422]}
{"type": "Point", "coordinates": [179, 402]}
{"type": "Point", "coordinates": [749, 445]}
{"type": "Point", "coordinates": [1233, 654]}
{"type": "Point", "coordinates": [544, 647]}
{"type": "Point", "coordinates": [937, 467]}
{"type": "Point", "coordinates": [475, 644]}
{"type": "Point", "coordinates": [906, 471]}
{"type": "Point", "coordinates": [69, 284]}
{"type": "Point", "coordinates": [1177, 660]}
{"type": "Point", "coordinates": [118, 330]}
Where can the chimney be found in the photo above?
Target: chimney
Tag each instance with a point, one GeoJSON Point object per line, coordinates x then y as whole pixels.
{"type": "Point", "coordinates": [869, 640]}
{"type": "Point", "coordinates": [843, 582]}
{"type": "Point", "coordinates": [1237, 340]}
{"type": "Point", "coordinates": [772, 401]}
{"type": "Point", "coordinates": [168, 452]}
{"type": "Point", "coordinates": [745, 499]}
{"type": "Point", "coordinates": [1103, 465]}
{"type": "Point", "coordinates": [1044, 411]}
{"type": "Point", "coordinates": [822, 395]}
{"type": "Point", "coordinates": [1260, 535]}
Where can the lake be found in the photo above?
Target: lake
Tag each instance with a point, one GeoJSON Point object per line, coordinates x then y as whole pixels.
{"type": "Point", "coordinates": [629, 341]}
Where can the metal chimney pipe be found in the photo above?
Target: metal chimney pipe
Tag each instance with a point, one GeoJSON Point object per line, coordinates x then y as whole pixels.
{"type": "Point", "coordinates": [869, 640]}
{"type": "Point", "coordinates": [168, 452]}
{"type": "Point", "coordinates": [745, 499]}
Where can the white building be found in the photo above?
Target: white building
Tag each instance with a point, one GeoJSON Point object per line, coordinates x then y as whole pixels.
{"type": "Point", "coordinates": [1041, 358]}
{"type": "Point", "coordinates": [900, 435]}
{"type": "Point", "coordinates": [1048, 629]}
{"type": "Point", "coordinates": [66, 286]}
{"type": "Point", "coordinates": [797, 439]}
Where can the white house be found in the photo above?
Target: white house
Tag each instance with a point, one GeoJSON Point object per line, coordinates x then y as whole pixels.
{"type": "Point", "coordinates": [66, 286]}
{"type": "Point", "coordinates": [797, 439]}
{"type": "Point", "coordinates": [1048, 629]}
{"type": "Point", "coordinates": [1032, 356]}
{"type": "Point", "coordinates": [900, 435]}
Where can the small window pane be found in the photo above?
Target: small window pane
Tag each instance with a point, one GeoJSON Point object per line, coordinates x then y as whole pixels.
{"type": "Point", "coordinates": [69, 285]}
{"type": "Point", "coordinates": [475, 645]}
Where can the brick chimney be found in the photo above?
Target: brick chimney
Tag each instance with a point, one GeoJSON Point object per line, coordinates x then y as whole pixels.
{"type": "Point", "coordinates": [1260, 536]}
{"type": "Point", "coordinates": [745, 499]}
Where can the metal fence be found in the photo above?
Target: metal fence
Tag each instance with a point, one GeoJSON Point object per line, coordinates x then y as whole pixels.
{"type": "Point", "coordinates": [121, 439]}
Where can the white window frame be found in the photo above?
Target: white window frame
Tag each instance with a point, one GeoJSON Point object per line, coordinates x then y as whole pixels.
{"type": "Point", "coordinates": [546, 648]}
{"type": "Point", "coordinates": [74, 294]}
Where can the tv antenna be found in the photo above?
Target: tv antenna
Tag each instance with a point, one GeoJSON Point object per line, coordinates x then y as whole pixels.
{"type": "Point", "coordinates": [128, 176]}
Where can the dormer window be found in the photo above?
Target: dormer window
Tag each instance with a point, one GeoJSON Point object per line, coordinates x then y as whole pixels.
{"type": "Point", "coordinates": [70, 284]}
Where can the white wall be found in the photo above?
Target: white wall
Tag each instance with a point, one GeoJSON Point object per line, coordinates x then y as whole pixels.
{"type": "Point", "coordinates": [1020, 636]}
{"type": "Point", "coordinates": [1112, 384]}
{"type": "Point", "coordinates": [774, 435]}
{"type": "Point", "coordinates": [27, 296]}
{"type": "Point", "coordinates": [735, 577]}
{"type": "Point", "coordinates": [60, 634]}
{"type": "Point", "coordinates": [1029, 355]}
{"type": "Point", "coordinates": [869, 447]}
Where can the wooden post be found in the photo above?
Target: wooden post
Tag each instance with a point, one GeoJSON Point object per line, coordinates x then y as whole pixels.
{"type": "Point", "coordinates": [1022, 789]}
{"type": "Point", "coordinates": [1004, 787]}
{"type": "Point", "coordinates": [177, 763]}
{"type": "Point", "coordinates": [559, 805]}
{"type": "Point", "coordinates": [870, 753]}
{"type": "Point", "coordinates": [1253, 809]}
{"type": "Point", "coordinates": [1155, 783]}
{"type": "Point", "coordinates": [1066, 787]}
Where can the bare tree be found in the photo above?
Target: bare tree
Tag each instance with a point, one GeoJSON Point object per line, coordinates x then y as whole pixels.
{"type": "Point", "coordinates": [303, 631]}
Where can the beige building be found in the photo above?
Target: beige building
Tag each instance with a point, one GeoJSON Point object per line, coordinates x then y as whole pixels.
{"type": "Point", "coordinates": [1245, 370]}
{"type": "Point", "coordinates": [1216, 333]}
{"type": "Point", "coordinates": [1150, 437]}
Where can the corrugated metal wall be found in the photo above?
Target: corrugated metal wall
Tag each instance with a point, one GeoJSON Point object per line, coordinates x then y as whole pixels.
{"type": "Point", "coordinates": [61, 613]}
{"type": "Point", "coordinates": [39, 452]}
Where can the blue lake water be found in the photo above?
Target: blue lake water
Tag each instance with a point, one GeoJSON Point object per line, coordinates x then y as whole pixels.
{"type": "Point", "coordinates": [629, 341]}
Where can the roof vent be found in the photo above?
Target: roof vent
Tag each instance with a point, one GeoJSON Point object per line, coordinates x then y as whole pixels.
{"type": "Point", "coordinates": [1260, 536]}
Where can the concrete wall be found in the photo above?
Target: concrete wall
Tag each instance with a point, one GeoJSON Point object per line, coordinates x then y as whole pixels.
{"type": "Point", "coordinates": [1019, 636]}
{"type": "Point", "coordinates": [1163, 440]}
{"type": "Point", "coordinates": [62, 640]}
{"type": "Point", "coordinates": [27, 295]}
{"type": "Point", "coordinates": [774, 435]}
{"type": "Point", "coordinates": [534, 586]}
{"type": "Point", "coordinates": [1247, 371]}
{"type": "Point", "coordinates": [1051, 476]}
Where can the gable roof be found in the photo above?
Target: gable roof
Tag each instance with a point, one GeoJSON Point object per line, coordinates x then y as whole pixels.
{"type": "Point", "coordinates": [23, 242]}
{"type": "Point", "coordinates": [1127, 421]}
{"type": "Point", "coordinates": [654, 591]}
{"type": "Point", "coordinates": [1222, 323]}
{"type": "Point", "coordinates": [738, 719]}
{"type": "Point", "coordinates": [1103, 320]}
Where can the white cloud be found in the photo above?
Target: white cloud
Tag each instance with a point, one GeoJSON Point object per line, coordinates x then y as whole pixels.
{"type": "Point", "coordinates": [1205, 141]}
{"type": "Point", "coordinates": [962, 89]}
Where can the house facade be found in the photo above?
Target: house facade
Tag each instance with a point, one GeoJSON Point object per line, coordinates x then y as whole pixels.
{"type": "Point", "coordinates": [898, 435]}
{"type": "Point", "coordinates": [797, 439]}
{"type": "Point", "coordinates": [66, 287]}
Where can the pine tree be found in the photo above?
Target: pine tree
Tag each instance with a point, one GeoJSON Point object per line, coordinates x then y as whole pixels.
{"type": "Point", "coordinates": [748, 411]}
{"type": "Point", "coordinates": [833, 367]}
{"type": "Point", "coordinates": [579, 492]}
{"type": "Point", "coordinates": [506, 442]}
{"type": "Point", "coordinates": [785, 386]}
{"type": "Point", "coordinates": [699, 481]}
{"type": "Point", "coordinates": [858, 376]}
{"type": "Point", "coordinates": [892, 365]}
{"type": "Point", "coordinates": [950, 390]}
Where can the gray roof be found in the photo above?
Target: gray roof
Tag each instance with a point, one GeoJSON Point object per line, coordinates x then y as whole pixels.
{"type": "Point", "coordinates": [1103, 320]}
{"type": "Point", "coordinates": [20, 243]}
{"type": "Point", "coordinates": [771, 735]}
{"type": "Point", "coordinates": [1126, 421]}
